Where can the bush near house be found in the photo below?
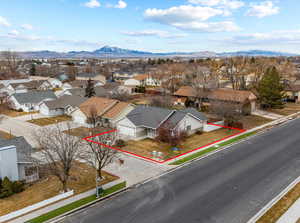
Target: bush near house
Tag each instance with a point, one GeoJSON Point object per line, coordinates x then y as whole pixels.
{"type": "Point", "coordinates": [8, 188]}
{"type": "Point", "coordinates": [120, 143]}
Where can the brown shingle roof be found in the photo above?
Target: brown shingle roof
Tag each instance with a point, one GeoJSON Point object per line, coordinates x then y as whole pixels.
{"type": "Point", "coordinates": [232, 95]}
{"type": "Point", "coordinates": [78, 83]}
{"type": "Point", "coordinates": [185, 91]}
{"type": "Point", "coordinates": [101, 105]}
{"type": "Point", "coordinates": [141, 77]}
{"type": "Point", "coordinates": [293, 87]}
{"type": "Point", "coordinates": [116, 110]}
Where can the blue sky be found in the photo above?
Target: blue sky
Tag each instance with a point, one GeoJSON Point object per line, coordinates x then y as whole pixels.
{"type": "Point", "coordinates": [156, 25]}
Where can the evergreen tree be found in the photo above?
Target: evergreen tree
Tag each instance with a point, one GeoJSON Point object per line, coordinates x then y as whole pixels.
{"type": "Point", "coordinates": [32, 71]}
{"type": "Point", "coordinates": [90, 90]}
{"type": "Point", "coordinates": [6, 190]}
{"type": "Point", "coordinates": [270, 89]}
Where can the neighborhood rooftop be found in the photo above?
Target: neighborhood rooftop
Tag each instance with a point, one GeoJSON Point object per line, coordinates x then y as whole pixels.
{"type": "Point", "coordinates": [153, 117]}
{"type": "Point", "coordinates": [22, 147]}
{"type": "Point", "coordinates": [64, 101]}
{"type": "Point", "coordinates": [34, 96]}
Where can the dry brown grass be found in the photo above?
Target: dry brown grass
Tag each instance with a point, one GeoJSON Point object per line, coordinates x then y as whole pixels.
{"type": "Point", "coordinates": [85, 132]}
{"type": "Point", "coordinates": [289, 109]}
{"type": "Point", "coordinates": [272, 215]}
{"type": "Point", "coordinates": [82, 179]}
{"type": "Point", "coordinates": [13, 113]}
{"type": "Point", "coordinates": [5, 135]}
{"type": "Point", "coordinates": [146, 146]}
{"type": "Point", "coordinates": [252, 121]}
{"type": "Point", "coordinates": [50, 121]}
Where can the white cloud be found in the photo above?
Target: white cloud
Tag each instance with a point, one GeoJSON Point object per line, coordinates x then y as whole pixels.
{"type": "Point", "coordinates": [27, 27]}
{"type": "Point", "coordinates": [263, 9]}
{"type": "Point", "coordinates": [157, 33]}
{"type": "Point", "coordinates": [4, 22]}
{"type": "Point", "coordinates": [183, 13]}
{"type": "Point", "coordinates": [14, 33]}
{"type": "Point", "coordinates": [191, 18]}
{"type": "Point", "coordinates": [33, 42]}
{"type": "Point", "coordinates": [230, 4]}
{"type": "Point", "coordinates": [92, 4]}
{"type": "Point", "coordinates": [278, 37]}
{"type": "Point", "coordinates": [121, 5]}
{"type": "Point", "coordinates": [224, 26]}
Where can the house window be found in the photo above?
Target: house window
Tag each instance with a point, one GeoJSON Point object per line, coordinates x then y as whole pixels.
{"type": "Point", "coordinates": [189, 128]}
{"type": "Point", "coordinates": [29, 171]}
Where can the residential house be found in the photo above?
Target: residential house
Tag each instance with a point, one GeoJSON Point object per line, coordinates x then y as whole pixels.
{"type": "Point", "coordinates": [246, 99]}
{"type": "Point", "coordinates": [63, 105]}
{"type": "Point", "coordinates": [24, 87]}
{"type": "Point", "coordinates": [15, 160]}
{"type": "Point", "coordinates": [105, 112]}
{"type": "Point", "coordinates": [30, 101]}
{"type": "Point", "coordinates": [79, 84]}
{"type": "Point", "coordinates": [144, 122]}
{"type": "Point", "coordinates": [143, 80]}
{"type": "Point", "coordinates": [184, 94]}
{"type": "Point", "coordinates": [116, 88]}
{"type": "Point", "coordinates": [51, 83]}
{"type": "Point", "coordinates": [99, 92]}
{"type": "Point", "coordinates": [94, 77]}
{"type": "Point", "coordinates": [292, 92]}
{"type": "Point", "coordinates": [14, 81]}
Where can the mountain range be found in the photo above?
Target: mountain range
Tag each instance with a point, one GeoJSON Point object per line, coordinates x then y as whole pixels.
{"type": "Point", "coordinates": [116, 52]}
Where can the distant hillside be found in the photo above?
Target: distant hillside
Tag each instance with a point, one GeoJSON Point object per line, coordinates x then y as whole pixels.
{"type": "Point", "coordinates": [256, 53]}
{"type": "Point", "coordinates": [115, 52]}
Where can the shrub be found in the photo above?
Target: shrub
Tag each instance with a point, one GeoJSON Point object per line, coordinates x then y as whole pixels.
{"type": "Point", "coordinates": [17, 186]}
{"type": "Point", "coordinates": [6, 190]}
{"type": "Point", "coordinates": [20, 110]}
{"type": "Point", "coordinates": [120, 143]}
{"type": "Point", "coordinates": [199, 132]}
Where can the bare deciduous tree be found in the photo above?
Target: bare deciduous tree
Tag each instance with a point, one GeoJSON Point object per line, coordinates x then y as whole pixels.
{"type": "Point", "coordinates": [11, 62]}
{"type": "Point", "coordinates": [59, 151]}
{"type": "Point", "coordinates": [99, 154]}
{"type": "Point", "coordinates": [162, 101]}
{"type": "Point", "coordinates": [229, 111]}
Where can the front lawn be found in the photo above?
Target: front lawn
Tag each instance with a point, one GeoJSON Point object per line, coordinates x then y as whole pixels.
{"type": "Point", "coordinates": [5, 135]}
{"type": "Point", "coordinates": [147, 146]}
{"type": "Point", "coordinates": [252, 121]}
{"type": "Point", "coordinates": [85, 132]}
{"type": "Point", "coordinates": [289, 109]}
{"type": "Point", "coordinates": [76, 204]}
{"type": "Point", "coordinates": [212, 148]}
{"type": "Point", "coordinates": [50, 120]}
{"type": "Point", "coordinates": [13, 113]}
{"type": "Point", "coordinates": [82, 179]}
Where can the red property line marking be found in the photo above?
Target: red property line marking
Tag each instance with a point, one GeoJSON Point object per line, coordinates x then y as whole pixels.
{"type": "Point", "coordinates": [173, 158]}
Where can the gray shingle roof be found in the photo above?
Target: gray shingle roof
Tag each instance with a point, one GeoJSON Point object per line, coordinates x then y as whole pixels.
{"type": "Point", "coordinates": [34, 96]}
{"type": "Point", "coordinates": [89, 75]}
{"type": "Point", "coordinates": [24, 150]}
{"type": "Point", "coordinates": [100, 91]}
{"type": "Point", "coordinates": [148, 116]}
{"type": "Point", "coordinates": [195, 113]}
{"type": "Point", "coordinates": [153, 117]}
{"type": "Point", "coordinates": [65, 100]}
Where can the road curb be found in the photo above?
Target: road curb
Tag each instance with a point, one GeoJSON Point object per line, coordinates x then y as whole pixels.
{"type": "Point", "coordinates": [256, 217]}
{"type": "Point", "coordinates": [60, 217]}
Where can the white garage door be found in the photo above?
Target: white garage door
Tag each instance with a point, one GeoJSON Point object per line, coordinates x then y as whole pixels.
{"type": "Point", "coordinates": [44, 110]}
{"type": "Point", "coordinates": [124, 130]}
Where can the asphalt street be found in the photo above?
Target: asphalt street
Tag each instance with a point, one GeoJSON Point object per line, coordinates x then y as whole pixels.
{"type": "Point", "coordinates": [228, 187]}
